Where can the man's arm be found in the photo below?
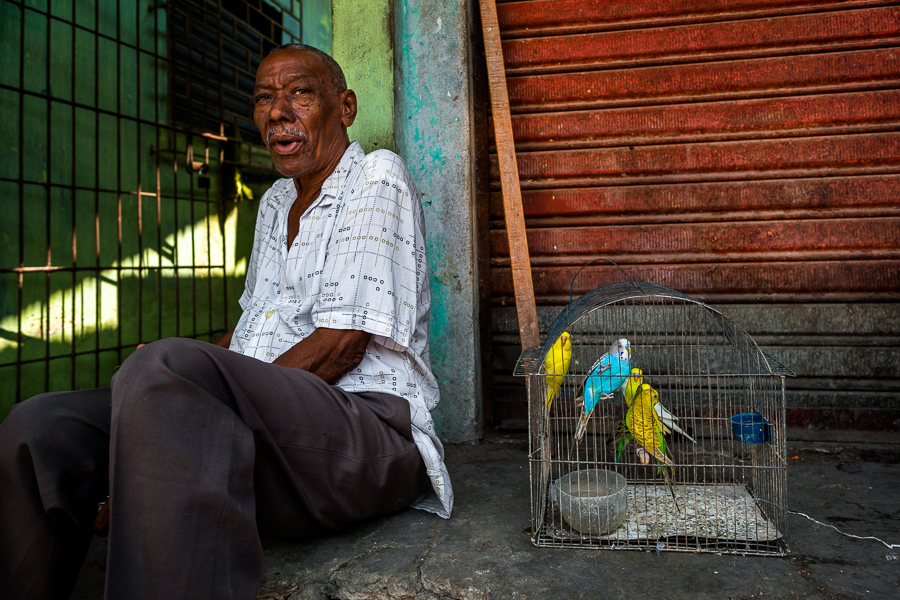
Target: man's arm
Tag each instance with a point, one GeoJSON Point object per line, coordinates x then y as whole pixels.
{"type": "Point", "coordinates": [328, 353]}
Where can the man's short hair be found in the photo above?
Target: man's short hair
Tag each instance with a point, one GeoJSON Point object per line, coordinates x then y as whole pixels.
{"type": "Point", "coordinates": [337, 74]}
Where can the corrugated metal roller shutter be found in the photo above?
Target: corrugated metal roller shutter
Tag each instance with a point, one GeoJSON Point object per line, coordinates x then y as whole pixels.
{"type": "Point", "coordinates": [743, 152]}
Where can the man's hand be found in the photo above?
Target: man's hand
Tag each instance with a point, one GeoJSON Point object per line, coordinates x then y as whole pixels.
{"type": "Point", "coordinates": [328, 353]}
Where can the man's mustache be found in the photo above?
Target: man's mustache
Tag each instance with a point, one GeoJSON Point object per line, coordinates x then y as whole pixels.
{"type": "Point", "coordinates": [289, 130]}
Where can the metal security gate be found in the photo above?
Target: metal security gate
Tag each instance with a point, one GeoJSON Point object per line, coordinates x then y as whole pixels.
{"type": "Point", "coordinates": [128, 160]}
{"type": "Point", "coordinates": [745, 153]}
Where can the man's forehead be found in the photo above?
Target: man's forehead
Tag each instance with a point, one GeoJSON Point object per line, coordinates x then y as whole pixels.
{"type": "Point", "coordinates": [291, 63]}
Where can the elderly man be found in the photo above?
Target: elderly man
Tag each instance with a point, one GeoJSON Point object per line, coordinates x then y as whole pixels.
{"type": "Point", "coordinates": [308, 416]}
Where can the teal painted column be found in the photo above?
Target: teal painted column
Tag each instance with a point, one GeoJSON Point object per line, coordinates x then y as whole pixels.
{"type": "Point", "coordinates": [434, 134]}
{"type": "Point", "coordinates": [364, 47]}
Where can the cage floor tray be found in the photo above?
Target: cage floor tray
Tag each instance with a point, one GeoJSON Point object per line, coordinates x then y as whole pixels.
{"type": "Point", "coordinates": [726, 512]}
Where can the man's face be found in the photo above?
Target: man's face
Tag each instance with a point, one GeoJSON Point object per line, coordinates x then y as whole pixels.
{"type": "Point", "coordinates": [300, 115]}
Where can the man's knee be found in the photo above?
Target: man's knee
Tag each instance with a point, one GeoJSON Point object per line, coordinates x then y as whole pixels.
{"type": "Point", "coordinates": [162, 350]}
{"type": "Point", "coordinates": [32, 426]}
{"type": "Point", "coordinates": [160, 358]}
{"type": "Point", "coordinates": [28, 420]}
{"type": "Point", "coordinates": [155, 375]}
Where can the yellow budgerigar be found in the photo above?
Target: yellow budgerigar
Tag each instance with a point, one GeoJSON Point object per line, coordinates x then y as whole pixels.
{"type": "Point", "coordinates": [644, 425]}
{"type": "Point", "coordinates": [557, 365]}
{"type": "Point", "coordinates": [622, 436]}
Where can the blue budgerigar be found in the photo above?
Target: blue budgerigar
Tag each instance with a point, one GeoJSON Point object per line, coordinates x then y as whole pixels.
{"type": "Point", "coordinates": [606, 376]}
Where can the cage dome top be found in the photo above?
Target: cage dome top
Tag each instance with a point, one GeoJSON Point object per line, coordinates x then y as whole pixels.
{"type": "Point", "coordinates": [647, 296]}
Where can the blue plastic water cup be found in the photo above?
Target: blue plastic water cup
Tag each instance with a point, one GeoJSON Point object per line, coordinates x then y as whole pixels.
{"type": "Point", "coordinates": [750, 428]}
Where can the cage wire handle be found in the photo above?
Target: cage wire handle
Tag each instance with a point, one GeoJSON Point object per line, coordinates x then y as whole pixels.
{"type": "Point", "coordinates": [587, 264]}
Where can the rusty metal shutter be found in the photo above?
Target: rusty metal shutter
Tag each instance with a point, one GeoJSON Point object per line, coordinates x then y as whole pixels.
{"type": "Point", "coordinates": [742, 152]}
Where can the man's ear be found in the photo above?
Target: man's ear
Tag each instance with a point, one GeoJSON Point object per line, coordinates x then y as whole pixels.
{"type": "Point", "coordinates": [348, 107]}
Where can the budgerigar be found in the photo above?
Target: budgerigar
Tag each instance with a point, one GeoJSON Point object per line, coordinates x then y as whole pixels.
{"type": "Point", "coordinates": [622, 437]}
{"type": "Point", "coordinates": [606, 376]}
{"type": "Point", "coordinates": [557, 365]}
{"type": "Point", "coordinates": [642, 422]}
{"type": "Point", "coordinates": [666, 418]}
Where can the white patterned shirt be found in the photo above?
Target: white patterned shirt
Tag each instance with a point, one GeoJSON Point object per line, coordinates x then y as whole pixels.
{"type": "Point", "coordinates": [358, 262]}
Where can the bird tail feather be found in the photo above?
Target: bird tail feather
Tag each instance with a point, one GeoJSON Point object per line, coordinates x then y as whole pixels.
{"type": "Point", "coordinates": [682, 432]}
{"type": "Point", "coordinates": [582, 427]}
{"type": "Point", "coordinates": [667, 475]}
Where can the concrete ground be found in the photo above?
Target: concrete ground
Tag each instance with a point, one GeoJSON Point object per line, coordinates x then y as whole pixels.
{"type": "Point", "coordinates": [484, 551]}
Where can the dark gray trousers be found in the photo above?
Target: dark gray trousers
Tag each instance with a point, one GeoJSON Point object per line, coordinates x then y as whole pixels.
{"type": "Point", "coordinates": [197, 447]}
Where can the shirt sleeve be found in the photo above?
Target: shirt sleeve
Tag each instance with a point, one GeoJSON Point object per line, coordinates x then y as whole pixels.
{"type": "Point", "coordinates": [375, 263]}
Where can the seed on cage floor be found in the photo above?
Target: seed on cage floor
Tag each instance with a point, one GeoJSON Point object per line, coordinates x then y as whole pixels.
{"type": "Point", "coordinates": [656, 422]}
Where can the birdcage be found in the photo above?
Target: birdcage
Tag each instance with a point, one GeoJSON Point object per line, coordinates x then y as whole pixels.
{"type": "Point", "coordinates": [598, 464]}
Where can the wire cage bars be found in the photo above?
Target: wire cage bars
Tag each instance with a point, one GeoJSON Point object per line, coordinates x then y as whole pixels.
{"type": "Point", "coordinates": [127, 147]}
{"type": "Point", "coordinates": [598, 471]}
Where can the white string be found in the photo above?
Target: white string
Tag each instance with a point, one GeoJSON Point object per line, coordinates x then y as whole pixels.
{"type": "Point", "coordinates": [859, 537]}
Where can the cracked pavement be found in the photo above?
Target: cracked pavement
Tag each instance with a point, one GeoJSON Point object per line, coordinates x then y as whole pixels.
{"type": "Point", "coordinates": [484, 552]}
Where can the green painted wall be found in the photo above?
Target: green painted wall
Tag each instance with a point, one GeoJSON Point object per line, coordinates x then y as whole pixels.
{"type": "Point", "coordinates": [363, 46]}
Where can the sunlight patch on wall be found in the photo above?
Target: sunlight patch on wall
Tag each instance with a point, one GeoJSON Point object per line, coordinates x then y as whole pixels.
{"type": "Point", "coordinates": [74, 314]}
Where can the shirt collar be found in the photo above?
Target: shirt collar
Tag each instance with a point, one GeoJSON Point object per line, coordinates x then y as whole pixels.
{"type": "Point", "coordinates": [352, 155]}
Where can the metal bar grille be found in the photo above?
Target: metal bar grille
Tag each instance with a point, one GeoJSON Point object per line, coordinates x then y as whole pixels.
{"type": "Point", "coordinates": [127, 142]}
